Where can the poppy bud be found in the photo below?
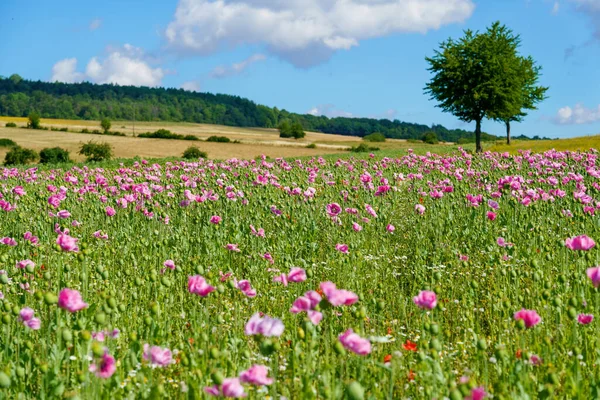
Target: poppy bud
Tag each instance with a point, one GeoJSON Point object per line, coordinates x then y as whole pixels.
{"type": "Point", "coordinates": [355, 391]}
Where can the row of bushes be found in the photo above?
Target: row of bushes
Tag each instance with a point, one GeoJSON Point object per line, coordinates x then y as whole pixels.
{"type": "Point", "coordinates": [167, 134]}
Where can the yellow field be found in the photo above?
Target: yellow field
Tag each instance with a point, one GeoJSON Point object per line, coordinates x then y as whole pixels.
{"type": "Point", "coordinates": [574, 144]}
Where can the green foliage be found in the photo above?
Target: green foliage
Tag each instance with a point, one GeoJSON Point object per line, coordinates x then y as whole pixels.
{"type": "Point", "coordinates": [219, 139]}
{"type": "Point", "coordinates": [167, 134]}
{"type": "Point", "coordinates": [311, 146]}
{"type": "Point", "coordinates": [96, 151]}
{"type": "Point", "coordinates": [54, 155]}
{"type": "Point", "coordinates": [363, 148]}
{"type": "Point", "coordinates": [285, 129]}
{"type": "Point", "coordinates": [20, 156]}
{"type": "Point", "coordinates": [193, 153]}
{"type": "Point", "coordinates": [430, 138]}
{"type": "Point", "coordinates": [7, 142]}
{"type": "Point", "coordinates": [10, 125]}
{"type": "Point", "coordinates": [33, 121]}
{"type": "Point", "coordinates": [297, 131]}
{"type": "Point", "coordinates": [375, 137]}
{"type": "Point", "coordinates": [92, 102]}
{"type": "Point", "coordinates": [105, 125]}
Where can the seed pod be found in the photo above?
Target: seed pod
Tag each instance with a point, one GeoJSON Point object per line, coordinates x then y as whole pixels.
{"type": "Point", "coordinates": [355, 391]}
{"type": "Point", "coordinates": [67, 335]}
{"type": "Point", "coordinates": [4, 380]}
{"type": "Point", "coordinates": [217, 377]}
{"type": "Point", "coordinates": [339, 349]}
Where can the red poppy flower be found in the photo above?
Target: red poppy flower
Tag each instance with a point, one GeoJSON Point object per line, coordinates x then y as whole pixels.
{"type": "Point", "coordinates": [409, 346]}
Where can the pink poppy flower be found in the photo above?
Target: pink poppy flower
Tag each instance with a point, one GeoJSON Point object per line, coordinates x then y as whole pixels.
{"type": "Point", "coordinates": [477, 393]}
{"type": "Point", "coordinates": [265, 326]}
{"type": "Point", "coordinates": [269, 258]}
{"type": "Point", "coordinates": [28, 236]}
{"type": "Point", "coordinates": [585, 319]}
{"type": "Point", "coordinates": [338, 297]}
{"type": "Point", "coordinates": [307, 303]}
{"type": "Point", "coordinates": [64, 214]}
{"type": "Point", "coordinates": [581, 242]}
{"type": "Point", "coordinates": [355, 343]}
{"type": "Point", "coordinates": [491, 215]}
{"type": "Point", "coordinates": [70, 300]}
{"type": "Point", "coordinates": [231, 387]}
{"type": "Point", "coordinates": [281, 278]}
{"type": "Point", "coordinates": [215, 219]}
{"type": "Point", "coordinates": [246, 288]}
{"type": "Point", "coordinates": [426, 300]}
{"type": "Point", "coordinates": [258, 233]}
{"type": "Point", "coordinates": [24, 263]}
{"type": "Point", "coordinates": [105, 367]}
{"type": "Point", "coordinates": [333, 209]}
{"type": "Point", "coordinates": [342, 248]}
{"type": "Point", "coordinates": [26, 317]}
{"type": "Point", "coordinates": [390, 228]}
{"type": "Point", "coordinates": [535, 360]}
{"type": "Point", "coordinates": [157, 356]}
{"type": "Point", "coordinates": [169, 264]}
{"type": "Point", "coordinates": [503, 243]}
{"type": "Point", "coordinates": [420, 209]}
{"type": "Point", "coordinates": [198, 285]}
{"type": "Point", "coordinates": [356, 227]}
{"type": "Point", "coordinates": [232, 247]}
{"type": "Point", "coordinates": [297, 275]}
{"type": "Point", "coordinates": [67, 243]}
{"type": "Point", "coordinates": [8, 241]}
{"type": "Point", "coordinates": [256, 375]}
{"type": "Point", "coordinates": [530, 317]}
{"type": "Point", "coordinates": [110, 211]}
{"type": "Point", "coordinates": [594, 275]}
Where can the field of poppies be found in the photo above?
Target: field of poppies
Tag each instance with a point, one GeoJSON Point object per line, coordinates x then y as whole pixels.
{"type": "Point", "coordinates": [423, 276]}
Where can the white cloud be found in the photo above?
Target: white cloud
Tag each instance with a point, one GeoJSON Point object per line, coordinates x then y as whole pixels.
{"type": "Point", "coordinates": [191, 86]}
{"type": "Point", "coordinates": [329, 110]}
{"type": "Point", "coordinates": [591, 8]}
{"type": "Point", "coordinates": [237, 68]}
{"type": "Point", "coordinates": [555, 7]}
{"type": "Point", "coordinates": [95, 24]}
{"type": "Point", "coordinates": [304, 32]}
{"type": "Point", "coordinates": [124, 66]}
{"type": "Point", "coordinates": [577, 115]}
{"type": "Point", "coordinates": [65, 71]}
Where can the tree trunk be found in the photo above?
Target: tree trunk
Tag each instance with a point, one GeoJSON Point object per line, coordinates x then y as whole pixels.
{"type": "Point", "coordinates": [478, 148]}
{"type": "Point", "coordinates": [507, 132]}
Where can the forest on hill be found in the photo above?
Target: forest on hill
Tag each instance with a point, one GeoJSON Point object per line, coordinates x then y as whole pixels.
{"type": "Point", "coordinates": [88, 101]}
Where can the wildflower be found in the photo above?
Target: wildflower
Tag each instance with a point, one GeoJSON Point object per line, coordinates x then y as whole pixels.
{"type": "Point", "coordinates": [157, 356]}
{"type": "Point", "coordinates": [258, 233]}
{"type": "Point", "coordinates": [491, 215]}
{"type": "Point", "coordinates": [477, 393]}
{"type": "Point", "coordinates": [343, 248]}
{"type": "Point", "coordinates": [296, 275]}
{"type": "Point", "coordinates": [27, 318]}
{"type": "Point", "coordinates": [232, 247]}
{"type": "Point", "coordinates": [585, 319]}
{"type": "Point", "coordinates": [215, 219]}
{"type": "Point", "coordinates": [355, 343]}
{"type": "Point", "coordinates": [106, 366]}
{"type": "Point", "coordinates": [426, 300]}
{"type": "Point", "coordinates": [70, 300]}
{"type": "Point", "coordinates": [25, 263]}
{"type": "Point", "coordinates": [581, 242]}
{"type": "Point", "coordinates": [63, 214]}
{"type": "Point", "coordinates": [333, 209]}
{"type": "Point", "coordinates": [307, 303]}
{"type": "Point", "coordinates": [269, 258]}
{"type": "Point", "coordinates": [594, 275]}
{"type": "Point", "coordinates": [256, 375]}
{"type": "Point", "coordinates": [67, 243]}
{"type": "Point", "coordinates": [503, 243]}
{"type": "Point", "coordinates": [169, 264]}
{"type": "Point", "coordinates": [409, 346]}
{"type": "Point", "coordinates": [265, 326]}
{"type": "Point", "coordinates": [420, 209]}
{"type": "Point", "coordinates": [529, 317]}
{"type": "Point", "coordinates": [535, 360]}
{"type": "Point", "coordinates": [246, 288]}
{"type": "Point", "coordinates": [338, 297]}
{"type": "Point", "coordinates": [356, 227]}
{"type": "Point", "coordinates": [390, 228]}
{"type": "Point", "coordinates": [198, 285]}
{"type": "Point", "coordinates": [231, 387]}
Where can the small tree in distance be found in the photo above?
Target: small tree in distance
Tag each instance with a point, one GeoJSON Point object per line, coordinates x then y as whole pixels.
{"type": "Point", "coordinates": [19, 156]}
{"type": "Point", "coordinates": [34, 121]}
{"type": "Point", "coordinates": [96, 151]}
{"type": "Point", "coordinates": [105, 124]}
{"type": "Point", "coordinates": [297, 131]}
{"type": "Point", "coordinates": [285, 129]}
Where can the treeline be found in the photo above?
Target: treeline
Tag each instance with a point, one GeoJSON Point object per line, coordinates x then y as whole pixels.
{"type": "Point", "coordinates": [20, 97]}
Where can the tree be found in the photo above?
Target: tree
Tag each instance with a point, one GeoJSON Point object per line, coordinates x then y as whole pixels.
{"type": "Point", "coordinates": [54, 155]}
{"type": "Point", "coordinates": [430, 138]}
{"type": "Point", "coordinates": [468, 76]}
{"type": "Point", "coordinates": [285, 129]}
{"type": "Point", "coordinates": [34, 121]}
{"type": "Point", "coordinates": [19, 156]}
{"type": "Point", "coordinates": [105, 124]}
{"type": "Point", "coordinates": [194, 153]}
{"type": "Point", "coordinates": [96, 151]}
{"type": "Point", "coordinates": [297, 131]}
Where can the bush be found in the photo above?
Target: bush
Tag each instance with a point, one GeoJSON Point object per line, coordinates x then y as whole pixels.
{"type": "Point", "coordinates": [219, 139]}
{"type": "Point", "coordinates": [297, 130]}
{"type": "Point", "coordinates": [311, 146]}
{"type": "Point", "coordinates": [54, 155]}
{"type": "Point", "coordinates": [375, 137]}
{"type": "Point", "coordinates": [10, 125]}
{"type": "Point", "coordinates": [85, 130]}
{"type": "Point", "coordinates": [34, 121]}
{"type": "Point", "coordinates": [19, 156]}
{"type": "Point", "coordinates": [363, 148]}
{"type": "Point", "coordinates": [7, 143]}
{"type": "Point", "coordinates": [193, 153]}
{"type": "Point", "coordinates": [64, 129]}
{"type": "Point", "coordinates": [430, 137]}
{"type": "Point", "coordinates": [96, 151]}
{"type": "Point", "coordinates": [190, 137]}
{"type": "Point", "coordinates": [285, 129]}
{"type": "Point", "coordinates": [105, 125]}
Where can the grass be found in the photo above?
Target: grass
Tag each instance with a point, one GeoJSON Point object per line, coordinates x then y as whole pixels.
{"type": "Point", "coordinates": [538, 146]}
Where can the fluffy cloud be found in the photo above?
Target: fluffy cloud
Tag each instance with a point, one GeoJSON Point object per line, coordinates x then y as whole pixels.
{"type": "Point", "coordinates": [304, 32]}
{"type": "Point", "coordinates": [577, 115]}
{"type": "Point", "coordinates": [329, 110]}
{"type": "Point", "coordinates": [95, 24]}
{"type": "Point", "coordinates": [65, 71]}
{"type": "Point", "coordinates": [591, 8]}
{"type": "Point", "coordinates": [124, 66]}
{"type": "Point", "coordinates": [237, 68]}
{"type": "Point", "coordinates": [191, 86]}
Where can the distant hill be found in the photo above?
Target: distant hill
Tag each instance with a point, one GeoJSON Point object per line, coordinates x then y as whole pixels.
{"type": "Point", "coordinates": [19, 97]}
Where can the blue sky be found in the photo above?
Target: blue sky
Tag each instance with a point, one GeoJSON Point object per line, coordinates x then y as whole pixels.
{"type": "Point", "coordinates": [332, 57]}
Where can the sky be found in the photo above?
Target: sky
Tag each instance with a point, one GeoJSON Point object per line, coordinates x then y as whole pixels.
{"type": "Point", "coordinates": [355, 58]}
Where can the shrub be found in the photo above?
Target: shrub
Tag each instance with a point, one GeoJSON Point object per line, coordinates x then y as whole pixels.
{"type": "Point", "coordinates": [54, 155]}
{"type": "Point", "coordinates": [10, 125]}
{"type": "Point", "coordinates": [219, 139]}
{"type": "Point", "coordinates": [375, 137]}
{"type": "Point", "coordinates": [96, 151]}
{"type": "Point", "coordinates": [193, 153]}
{"type": "Point", "coordinates": [430, 137]}
{"type": "Point", "coordinates": [64, 129]}
{"type": "Point", "coordinates": [311, 146]}
{"type": "Point", "coordinates": [19, 156]}
{"type": "Point", "coordinates": [34, 121]}
{"type": "Point", "coordinates": [7, 143]}
{"type": "Point", "coordinates": [297, 130]}
{"type": "Point", "coordinates": [285, 129]}
{"type": "Point", "coordinates": [85, 130]}
{"type": "Point", "coordinates": [363, 148]}
{"type": "Point", "coordinates": [105, 125]}
{"type": "Point", "coordinates": [190, 137]}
